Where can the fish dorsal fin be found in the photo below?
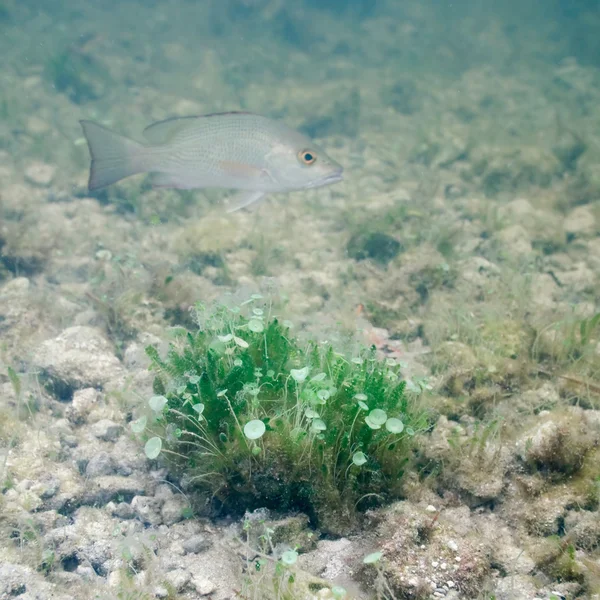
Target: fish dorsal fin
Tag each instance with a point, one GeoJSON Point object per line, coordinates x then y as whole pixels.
{"type": "Point", "coordinates": [164, 131]}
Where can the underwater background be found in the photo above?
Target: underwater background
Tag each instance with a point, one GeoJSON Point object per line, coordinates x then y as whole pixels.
{"type": "Point", "coordinates": [460, 256]}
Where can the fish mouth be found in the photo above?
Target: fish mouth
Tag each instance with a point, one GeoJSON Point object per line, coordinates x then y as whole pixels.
{"type": "Point", "coordinates": [334, 177]}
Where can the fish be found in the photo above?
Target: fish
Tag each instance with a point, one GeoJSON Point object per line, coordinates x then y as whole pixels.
{"type": "Point", "coordinates": [247, 152]}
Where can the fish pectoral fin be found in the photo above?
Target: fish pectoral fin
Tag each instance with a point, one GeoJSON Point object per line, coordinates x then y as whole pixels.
{"type": "Point", "coordinates": [244, 199]}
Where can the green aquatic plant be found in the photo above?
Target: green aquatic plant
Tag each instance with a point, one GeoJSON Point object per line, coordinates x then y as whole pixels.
{"type": "Point", "coordinates": [256, 417]}
{"type": "Point", "coordinates": [77, 74]}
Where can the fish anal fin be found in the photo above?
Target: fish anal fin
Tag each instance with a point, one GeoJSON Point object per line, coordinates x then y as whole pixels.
{"type": "Point", "coordinates": [169, 180]}
{"type": "Point", "coordinates": [244, 200]}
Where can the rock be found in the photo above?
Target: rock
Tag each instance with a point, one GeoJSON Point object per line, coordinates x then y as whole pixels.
{"type": "Point", "coordinates": [416, 550]}
{"type": "Point", "coordinates": [83, 402]}
{"type": "Point", "coordinates": [516, 241]}
{"type": "Point", "coordinates": [79, 357]}
{"type": "Point", "coordinates": [147, 510]}
{"type": "Point", "coordinates": [106, 430]}
{"type": "Point", "coordinates": [173, 510]}
{"type": "Point", "coordinates": [40, 174]}
{"type": "Point", "coordinates": [179, 579]}
{"type": "Point", "coordinates": [104, 488]}
{"type": "Point", "coordinates": [583, 526]}
{"type": "Point", "coordinates": [121, 510]}
{"type": "Point", "coordinates": [544, 291]}
{"type": "Point", "coordinates": [36, 126]}
{"type": "Point", "coordinates": [160, 591]}
{"type": "Point", "coordinates": [195, 544]}
{"type": "Point", "coordinates": [581, 222]}
{"type": "Point", "coordinates": [559, 444]}
{"type": "Point", "coordinates": [23, 583]}
{"type": "Point", "coordinates": [203, 586]}
{"type": "Point", "coordinates": [46, 487]}
{"type": "Point", "coordinates": [100, 464]}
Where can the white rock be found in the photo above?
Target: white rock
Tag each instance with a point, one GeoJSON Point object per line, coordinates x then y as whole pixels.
{"type": "Point", "coordinates": [40, 173]}
{"type": "Point", "coordinates": [106, 430]}
{"type": "Point", "coordinates": [203, 586]}
{"type": "Point", "coordinates": [83, 401]}
{"type": "Point", "coordinates": [581, 221]}
{"type": "Point", "coordinates": [178, 578]}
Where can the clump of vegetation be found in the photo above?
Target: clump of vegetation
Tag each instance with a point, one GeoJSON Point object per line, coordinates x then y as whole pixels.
{"type": "Point", "coordinates": [256, 417]}
{"type": "Point", "coordinates": [77, 74]}
{"type": "Point", "coordinates": [380, 247]}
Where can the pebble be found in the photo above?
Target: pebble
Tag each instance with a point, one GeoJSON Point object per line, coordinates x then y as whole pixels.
{"type": "Point", "coordinates": [203, 586]}
{"type": "Point", "coordinates": [106, 430]}
{"type": "Point", "coordinates": [122, 510]}
{"type": "Point", "coordinates": [83, 401]}
{"type": "Point", "coordinates": [431, 508]}
{"type": "Point", "coordinates": [100, 464]}
{"type": "Point", "coordinates": [450, 583]}
{"type": "Point", "coordinates": [452, 545]}
{"type": "Point", "coordinates": [37, 126]}
{"type": "Point", "coordinates": [173, 510]}
{"type": "Point", "coordinates": [40, 174]}
{"type": "Point", "coordinates": [195, 544]}
{"type": "Point", "coordinates": [178, 578]}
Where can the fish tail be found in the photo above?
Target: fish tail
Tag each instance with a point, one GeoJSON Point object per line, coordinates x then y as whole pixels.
{"type": "Point", "coordinates": [114, 156]}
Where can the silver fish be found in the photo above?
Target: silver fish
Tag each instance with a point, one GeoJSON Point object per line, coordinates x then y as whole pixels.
{"type": "Point", "coordinates": [237, 150]}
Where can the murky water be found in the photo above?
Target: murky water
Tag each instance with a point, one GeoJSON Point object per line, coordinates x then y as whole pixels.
{"type": "Point", "coordinates": [463, 243]}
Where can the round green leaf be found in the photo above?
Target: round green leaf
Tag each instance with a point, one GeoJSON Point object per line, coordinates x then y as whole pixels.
{"type": "Point", "coordinates": [254, 429]}
{"type": "Point", "coordinates": [225, 338]}
{"type": "Point", "coordinates": [319, 377]}
{"type": "Point", "coordinates": [372, 558]}
{"type": "Point", "coordinates": [199, 408]}
{"type": "Point", "coordinates": [289, 557]}
{"type": "Point", "coordinates": [378, 416]}
{"type": "Point", "coordinates": [363, 405]}
{"type": "Point", "coordinates": [299, 375]}
{"type": "Point", "coordinates": [318, 425]}
{"type": "Point", "coordinates": [157, 403]}
{"type": "Point", "coordinates": [371, 424]}
{"type": "Point", "coordinates": [359, 458]}
{"type": "Point", "coordinates": [240, 342]}
{"type": "Point", "coordinates": [394, 425]}
{"type": "Point", "coordinates": [139, 425]}
{"type": "Point", "coordinates": [256, 450]}
{"type": "Point", "coordinates": [153, 447]}
{"type": "Point", "coordinates": [311, 414]}
{"type": "Point", "coordinates": [360, 396]}
{"type": "Point", "coordinates": [323, 395]}
{"type": "Point", "coordinates": [194, 379]}
{"type": "Point", "coordinates": [255, 325]}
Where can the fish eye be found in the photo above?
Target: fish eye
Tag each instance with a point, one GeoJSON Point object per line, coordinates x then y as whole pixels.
{"type": "Point", "coordinates": [308, 157]}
